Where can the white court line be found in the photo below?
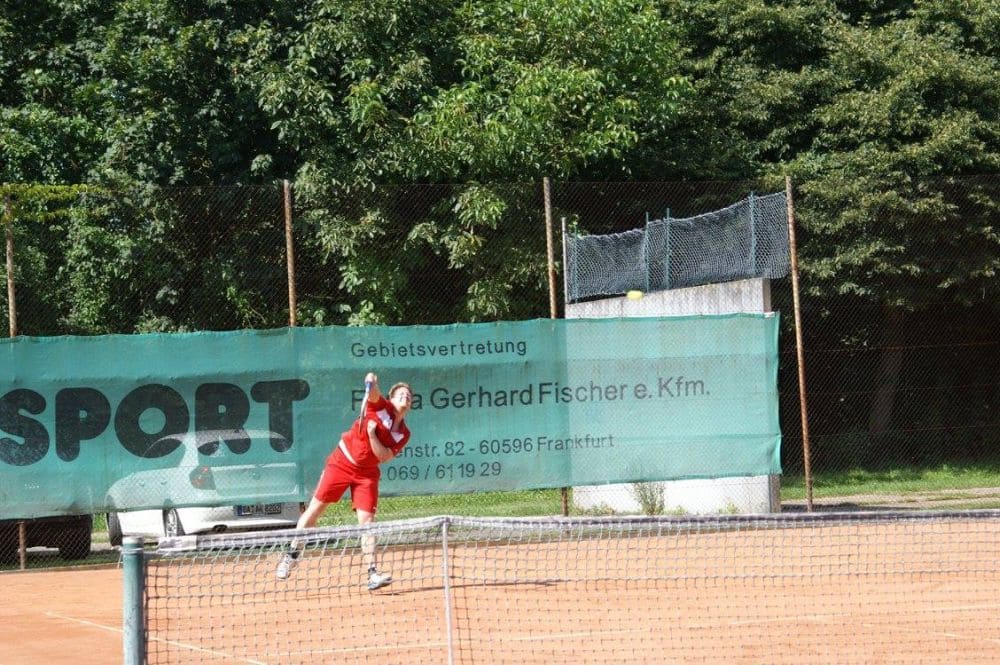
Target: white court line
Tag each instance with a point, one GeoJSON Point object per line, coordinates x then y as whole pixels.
{"type": "Point", "coordinates": [821, 618]}
{"type": "Point", "coordinates": [955, 636]}
{"type": "Point", "coordinates": [437, 645]}
{"type": "Point", "coordinates": [84, 622]}
{"type": "Point", "coordinates": [561, 636]}
{"type": "Point", "coordinates": [825, 618]}
{"type": "Point", "coordinates": [395, 647]}
{"type": "Point", "coordinates": [182, 645]}
{"type": "Point", "coordinates": [386, 647]}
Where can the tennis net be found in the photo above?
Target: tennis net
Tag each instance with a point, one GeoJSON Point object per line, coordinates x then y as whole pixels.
{"type": "Point", "coordinates": [783, 588]}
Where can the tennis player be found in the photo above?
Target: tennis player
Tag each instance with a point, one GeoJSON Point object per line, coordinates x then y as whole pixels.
{"type": "Point", "coordinates": [375, 437]}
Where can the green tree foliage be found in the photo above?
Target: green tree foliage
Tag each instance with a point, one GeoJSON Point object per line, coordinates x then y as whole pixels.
{"type": "Point", "coordinates": [870, 107]}
{"type": "Point", "coordinates": [49, 126]}
{"type": "Point", "coordinates": [913, 99]}
{"type": "Point", "coordinates": [37, 218]}
{"type": "Point", "coordinates": [341, 97]}
{"type": "Point", "coordinates": [397, 92]}
{"type": "Point", "coordinates": [875, 108]}
{"type": "Point", "coordinates": [742, 58]}
{"type": "Point", "coordinates": [137, 95]}
{"type": "Point", "coordinates": [910, 104]}
{"type": "Point", "coordinates": [173, 114]}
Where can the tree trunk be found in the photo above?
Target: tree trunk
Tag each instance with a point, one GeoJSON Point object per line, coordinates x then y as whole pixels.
{"type": "Point", "coordinates": [887, 380]}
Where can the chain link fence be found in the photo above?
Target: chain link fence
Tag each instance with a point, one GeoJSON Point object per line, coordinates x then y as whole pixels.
{"type": "Point", "coordinates": [899, 306]}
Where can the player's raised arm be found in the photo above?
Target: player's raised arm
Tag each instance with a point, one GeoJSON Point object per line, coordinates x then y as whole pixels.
{"type": "Point", "coordinates": [371, 387]}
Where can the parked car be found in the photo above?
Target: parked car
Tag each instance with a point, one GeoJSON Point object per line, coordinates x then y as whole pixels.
{"type": "Point", "coordinates": [69, 533]}
{"type": "Point", "coordinates": [207, 477]}
{"type": "Point", "coordinates": [181, 521]}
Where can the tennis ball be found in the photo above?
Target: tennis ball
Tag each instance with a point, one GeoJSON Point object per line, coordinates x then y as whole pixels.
{"type": "Point", "coordinates": [634, 295]}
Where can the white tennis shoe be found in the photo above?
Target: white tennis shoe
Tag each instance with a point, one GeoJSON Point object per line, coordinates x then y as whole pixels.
{"type": "Point", "coordinates": [377, 580]}
{"type": "Point", "coordinates": [285, 566]}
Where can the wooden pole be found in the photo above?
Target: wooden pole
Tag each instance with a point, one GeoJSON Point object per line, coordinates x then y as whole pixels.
{"type": "Point", "coordinates": [565, 491]}
{"type": "Point", "coordinates": [22, 545]}
{"type": "Point", "coordinates": [799, 353]}
{"type": "Point", "coordinates": [549, 246]}
{"type": "Point", "coordinates": [553, 309]}
{"type": "Point", "coordinates": [290, 255]}
{"type": "Point", "coordinates": [286, 188]}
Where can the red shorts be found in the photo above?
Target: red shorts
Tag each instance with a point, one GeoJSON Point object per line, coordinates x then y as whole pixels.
{"type": "Point", "coordinates": [340, 474]}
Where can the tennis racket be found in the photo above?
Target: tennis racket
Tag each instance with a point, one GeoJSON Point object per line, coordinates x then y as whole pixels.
{"type": "Point", "coordinates": [364, 400]}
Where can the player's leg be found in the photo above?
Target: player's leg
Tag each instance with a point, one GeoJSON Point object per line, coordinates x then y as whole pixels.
{"type": "Point", "coordinates": [367, 541]}
{"type": "Point", "coordinates": [364, 497]}
{"type": "Point", "coordinates": [329, 489]}
{"type": "Point", "coordinates": [307, 519]}
{"type": "Point", "coordinates": [311, 515]}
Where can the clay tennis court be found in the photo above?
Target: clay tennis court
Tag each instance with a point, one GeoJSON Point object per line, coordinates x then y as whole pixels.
{"type": "Point", "coordinates": [882, 592]}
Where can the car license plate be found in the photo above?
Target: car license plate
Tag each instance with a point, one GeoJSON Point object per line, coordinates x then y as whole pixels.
{"type": "Point", "coordinates": [258, 509]}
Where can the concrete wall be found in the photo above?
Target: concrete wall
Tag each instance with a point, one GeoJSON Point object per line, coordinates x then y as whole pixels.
{"type": "Point", "coordinates": [753, 494]}
{"type": "Point", "coordinates": [747, 295]}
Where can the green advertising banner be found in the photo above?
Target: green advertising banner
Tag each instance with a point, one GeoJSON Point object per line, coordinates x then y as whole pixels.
{"type": "Point", "coordinates": [89, 424]}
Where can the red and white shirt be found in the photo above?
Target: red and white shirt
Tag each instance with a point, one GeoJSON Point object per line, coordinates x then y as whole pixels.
{"type": "Point", "coordinates": [390, 429]}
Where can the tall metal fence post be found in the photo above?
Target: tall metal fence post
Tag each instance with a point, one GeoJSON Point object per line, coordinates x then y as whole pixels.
{"type": "Point", "coordinates": [133, 608]}
{"type": "Point", "coordinates": [550, 247]}
{"type": "Point", "coordinates": [290, 254]}
{"type": "Point", "coordinates": [799, 354]}
{"type": "Point", "coordinates": [553, 309]}
{"type": "Point", "coordinates": [645, 256]}
{"type": "Point", "coordinates": [8, 218]}
{"type": "Point", "coordinates": [666, 250]}
{"type": "Point", "coordinates": [566, 298]}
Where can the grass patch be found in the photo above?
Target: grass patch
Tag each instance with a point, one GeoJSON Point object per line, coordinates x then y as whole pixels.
{"type": "Point", "coordinates": [892, 481]}
{"type": "Point", "coordinates": [525, 503]}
